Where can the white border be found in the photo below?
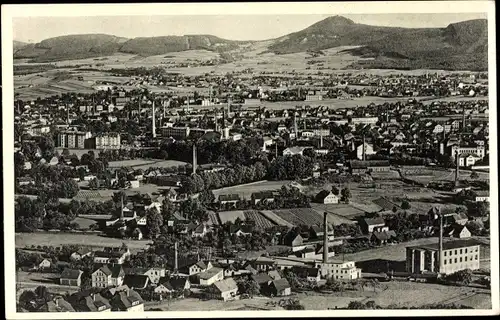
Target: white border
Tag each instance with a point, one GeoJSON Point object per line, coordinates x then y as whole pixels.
{"type": "Point", "coordinates": [10, 11]}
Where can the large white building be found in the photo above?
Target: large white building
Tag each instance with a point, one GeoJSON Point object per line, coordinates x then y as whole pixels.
{"type": "Point", "coordinates": [339, 270]}
{"type": "Point", "coordinates": [480, 151]}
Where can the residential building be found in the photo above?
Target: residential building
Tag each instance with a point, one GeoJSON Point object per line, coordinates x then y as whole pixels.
{"type": "Point", "coordinates": [127, 300]}
{"type": "Point", "coordinates": [369, 225]}
{"type": "Point", "coordinates": [229, 198]}
{"type": "Point", "coordinates": [73, 139]}
{"type": "Point", "coordinates": [107, 276]}
{"type": "Point", "coordinates": [482, 195]}
{"type": "Point", "coordinates": [105, 141]}
{"type": "Point", "coordinates": [225, 290]}
{"type": "Point", "coordinates": [267, 196]}
{"type": "Point", "coordinates": [58, 304]}
{"type": "Point", "coordinates": [339, 270]}
{"type": "Point", "coordinates": [278, 288]}
{"type": "Point", "coordinates": [368, 150]}
{"type": "Point", "coordinates": [136, 281]}
{"type": "Point", "coordinates": [71, 277]}
{"type": "Point", "coordinates": [89, 302]}
{"type": "Point", "coordinates": [173, 285]}
{"type": "Point", "coordinates": [477, 150]}
{"type": "Point", "coordinates": [294, 150]}
{"type": "Point", "coordinates": [327, 197]}
{"type": "Point", "coordinates": [457, 231]}
{"type": "Point", "coordinates": [211, 276]}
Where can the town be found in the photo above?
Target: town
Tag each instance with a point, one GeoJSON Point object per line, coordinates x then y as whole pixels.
{"type": "Point", "coordinates": [152, 190]}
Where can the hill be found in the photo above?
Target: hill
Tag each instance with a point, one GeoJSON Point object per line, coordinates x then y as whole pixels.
{"type": "Point", "coordinates": [18, 45]}
{"type": "Point", "coordinates": [460, 45]}
{"type": "Point", "coordinates": [71, 47]}
{"type": "Point", "coordinates": [94, 45]}
{"type": "Point", "coordinates": [149, 46]}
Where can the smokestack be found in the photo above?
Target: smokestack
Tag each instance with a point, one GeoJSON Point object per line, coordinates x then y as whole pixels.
{"type": "Point", "coordinates": [295, 126]}
{"type": "Point", "coordinates": [457, 170]}
{"type": "Point", "coordinates": [320, 137]}
{"type": "Point", "coordinates": [164, 102]}
{"type": "Point", "coordinates": [440, 242]}
{"type": "Point", "coordinates": [154, 120]}
{"type": "Point", "coordinates": [325, 237]}
{"type": "Point", "coordinates": [215, 120]}
{"type": "Point", "coordinates": [194, 158]}
{"type": "Point", "coordinates": [121, 206]}
{"type": "Point", "coordinates": [176, 263]}
{"type": "Point", "coordinates": [463, 118]}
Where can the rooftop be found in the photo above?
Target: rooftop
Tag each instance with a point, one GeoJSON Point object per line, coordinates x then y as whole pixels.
{"type": "Point", "coordinates": [452, 244]}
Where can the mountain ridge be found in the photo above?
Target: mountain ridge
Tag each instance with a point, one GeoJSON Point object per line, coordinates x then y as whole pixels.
{"type": "Point", "coordinates": [458, 44]}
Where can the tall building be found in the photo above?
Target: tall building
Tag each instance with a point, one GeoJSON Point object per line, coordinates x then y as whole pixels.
{"type": "Point", "coordinates": [457, 255]}
{"type": "Point", "coordinates": [73, 139]}
{"type": "Point", "coordinates": [105, 141]}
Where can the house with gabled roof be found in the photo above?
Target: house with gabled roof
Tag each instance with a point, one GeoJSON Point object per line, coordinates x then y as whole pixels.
{"type": "Point", "coordinates": [173, 285]}
{"type": "Point", "coordinates": [58, 304]}
{"type": "Point", "coordinates": [127, 300]}
{"type": "Point", "coordinates": [136, 281]}
{"type": "Point", "coordinates": [210, 276]}
{"type": "Point", "coordinates": [71, 277]}
{"type": "Point", "coordinates": [107, 276]}
{"type": "Point", "coordinates": [225, 290]}
{"type": "Point", "coordinates": [277, 288]}
{"type": "Point", "coordinates": [89, 302]}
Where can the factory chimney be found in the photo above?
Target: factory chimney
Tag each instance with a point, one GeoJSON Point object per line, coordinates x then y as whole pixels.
{"type": "Point", "coordinates": [295, 127]}
{"type": "Point", "coordinates": [463, 118]}
{"type": "Point", "coordinates": [194, 158]}
{"type": "Point", "coordinates": [121, 207]}
{"type": "Point", "coordinates": [154, 120]}
{"type": "Point", "coordinates": [440, 242]}
{"type": "Point", "coordinates": [215, 120]}
{"type": "Point", "coordinates": [457, 170]}
{"type": "Point", "coordinates": [325, 237]}
{"type": "Point", "coordinates": [321, 138]}
{"type": "Point", "coordinates": [176, 263]}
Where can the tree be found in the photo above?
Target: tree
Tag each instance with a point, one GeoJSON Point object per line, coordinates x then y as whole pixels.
{"type": "Point", "coordinates": [154, 222]}
{"type": "Point", "coordinates": [346, 194]}
{"type": "Point", "coordinates": [65, 152]}
{"type": "Point", "coordinates": [335, 190]}
{"type": "Point", "coordinates": [249, 286]}
{"type": "Point", "coordinates": [478, 209]}
{"type": "Point", "coordinates": [405, 205]}
{"type": "Point", "coordinates": [94, 184]}
{"type": "Point", "coordinates": [474, 175]}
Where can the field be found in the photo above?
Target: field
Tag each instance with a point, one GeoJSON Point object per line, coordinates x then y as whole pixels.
{"type": "Point", "coordinates": [91, 240]}
{"type": "Point", "coordinates": [261, 222]}
{"type": "Point", "coordinates": [145, 163]}
{"type": "Point", "coordinates": [338, 210]}
{"type": "Point", "coordinates": [231, 216]}
{"type": "Point", "coordinates": [275, 218]}
{"type": "Point", "coordinates": [427, 175]}
{"type": "Point", "coordinates": [245, 190]}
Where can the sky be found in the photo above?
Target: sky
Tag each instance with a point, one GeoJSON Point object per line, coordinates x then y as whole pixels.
{"type": "Point", "coordinates": [232, 27]}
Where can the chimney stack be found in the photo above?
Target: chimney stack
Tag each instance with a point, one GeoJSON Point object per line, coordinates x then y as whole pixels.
{"type": "Point", "coordinates": [440, 242]}
{"type": "Point", "coordinates": [121, 210]}
{"type": "Point", "coordinates": [176, 266]}
{"type": "Point", "coordinates": [457, 170]}
{"type": "Point", "coordinates": [295, 127]}
{"type": "Point", "coordinates": [194, 158]}
{"type": "Point", "coordinates": [321, 138]}
{"type": "Point", "coordinates": [325, 237]}
{"type": "Point", "coordinates": [154, 120]}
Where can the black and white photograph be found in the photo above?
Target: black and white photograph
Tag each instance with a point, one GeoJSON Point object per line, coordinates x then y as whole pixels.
{"type": "Point", "coordinates": [265, 159]}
